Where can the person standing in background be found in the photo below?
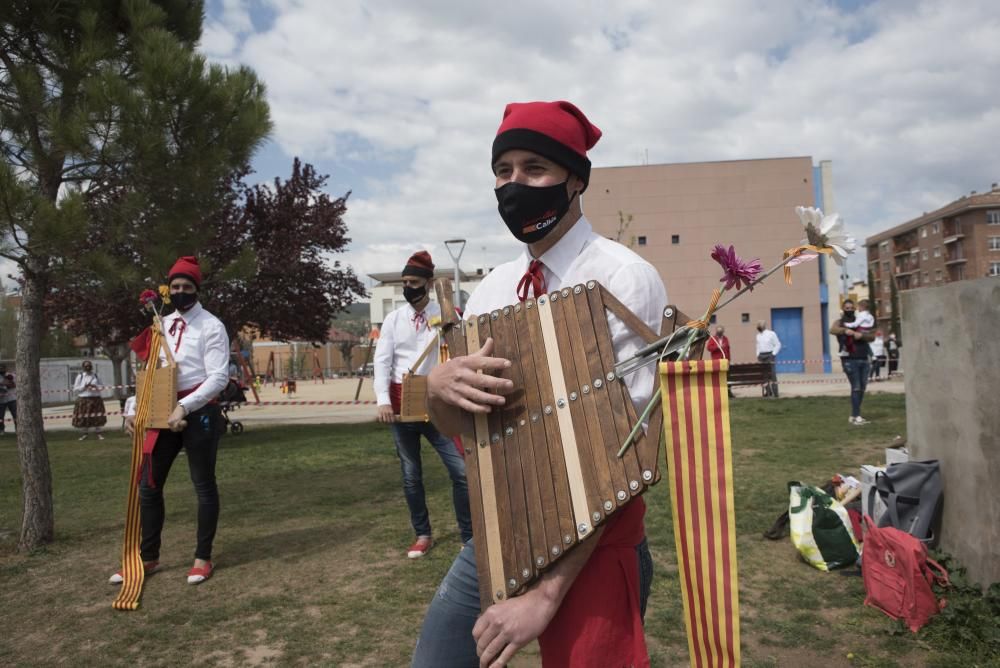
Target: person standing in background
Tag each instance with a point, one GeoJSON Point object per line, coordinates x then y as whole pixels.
{"type": "Point", "coordinates": [404, 336]}
{"type": "Point", "coordinates": [8, 397]}
{"type": "Point", "coordinates": [768, 347]}
{"type": "Point", "coordinates": [88, 411]}
{"type": "Point", "coordinates": [878, 356]}
{"type": "Point", "coordinates": [718, 348]}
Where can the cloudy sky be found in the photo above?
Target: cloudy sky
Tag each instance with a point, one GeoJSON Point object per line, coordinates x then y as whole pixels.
{"type": "Point", "coordinates": [398, 101]}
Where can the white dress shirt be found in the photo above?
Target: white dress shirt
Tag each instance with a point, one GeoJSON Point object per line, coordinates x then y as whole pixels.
{"type": "Point", "coordinates": [400, 343]}
{"type": "Point", "coordinates": [581, 256]}
{"type": "Point", "coordinates": [83, 379]}
{"type": "Point", "coordinates": [767, 342]}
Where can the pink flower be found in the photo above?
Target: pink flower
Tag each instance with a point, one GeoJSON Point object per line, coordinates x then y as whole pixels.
{"type": "Point", "coordinates": [737, 272]}
{"type": "Point", "coordinates": [148, 297]}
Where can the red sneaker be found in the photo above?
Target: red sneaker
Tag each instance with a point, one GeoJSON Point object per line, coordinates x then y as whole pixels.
{"type": "Point", "coordinates": [199, 574]}
{"type": "Point", "coordinates": [420, 548]}
{"type": "Point", "coordinates": [149, 566]}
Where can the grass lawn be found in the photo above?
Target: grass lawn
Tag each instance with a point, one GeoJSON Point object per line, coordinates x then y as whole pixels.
{"type": "Point", "coordinates": [311, 568]}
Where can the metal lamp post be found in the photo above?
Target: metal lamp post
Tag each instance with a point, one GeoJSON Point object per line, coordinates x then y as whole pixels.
{"type": "Point", "coordinates": [455, 248]}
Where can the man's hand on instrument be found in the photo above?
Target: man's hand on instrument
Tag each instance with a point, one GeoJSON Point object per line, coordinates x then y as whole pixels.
{"type": "Point", "coordinates": [385, 414]}
{"type": "Point", "coordinates": [130, 424]}
{"type": "Point", "coordinates": [508, 626]}
{"type": "Point", "coordinates": [456, 382]}
{"type": "Point", "coordinates": [176, 421]}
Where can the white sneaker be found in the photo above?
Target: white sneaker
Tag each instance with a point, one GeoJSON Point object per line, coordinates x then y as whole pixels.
{"type": "Point", "coordinates": [83, 438]}
{"type": "Point", "coordinates": [861, 420]}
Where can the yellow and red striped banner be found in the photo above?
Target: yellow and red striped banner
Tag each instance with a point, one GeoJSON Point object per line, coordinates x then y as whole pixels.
{"type": "Point", "coordinates": [133, 573]}
{"type": "Point", "coordinates": [700, 466]}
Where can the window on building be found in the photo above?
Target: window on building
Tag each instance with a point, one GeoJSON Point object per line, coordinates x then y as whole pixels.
{"type": "Point", "coordinates": [994, 243]}
{"type": "Point", "coordinates": [641, 241]}
{"type": "Point", "coordinates": [937, 275]}
{"type": "Point", "coordinates": [884, 246]}
{"type": "Point", "coordinates": [937, 251]}
{"type": "Point", "coordinates": [994, 268]}
{"type": "Point", "coordinates": [926, 280]}
{"type": "Point", "coordinates": [745, 317]}
{"type": "Point", "coordinates": [935, 228]}
{"type": "Point", "coordinates": [885, 267]}
{"type": "Point", "coordinates": [993, 217]}
{"type": "Point", "coordinates": [675, 239]}
{"type": "Point", "coordinates": [924, 254]}
{"type": "Point", "coordinates": [711, 320]}
{"type": "Point", "coordinates": [923, 232]}
{"type": "Point", "coordinates": [916, 280]}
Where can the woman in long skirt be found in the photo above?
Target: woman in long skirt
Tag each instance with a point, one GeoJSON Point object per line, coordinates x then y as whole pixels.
{"type": "Point", "coordinates": [88, 412]}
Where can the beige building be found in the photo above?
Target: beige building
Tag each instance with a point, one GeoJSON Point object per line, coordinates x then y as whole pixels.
{"type": "Point", "coordinates": [680, 211]}
{"type": "Point", "coordinates": [959, 241]}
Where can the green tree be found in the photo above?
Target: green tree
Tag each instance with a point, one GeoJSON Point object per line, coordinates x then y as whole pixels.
{"type": "Point", "coordinates": [104, 104]}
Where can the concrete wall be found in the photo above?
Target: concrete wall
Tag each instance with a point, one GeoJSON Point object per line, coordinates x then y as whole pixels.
{"type": "Point", "coordinates": [951, 336]}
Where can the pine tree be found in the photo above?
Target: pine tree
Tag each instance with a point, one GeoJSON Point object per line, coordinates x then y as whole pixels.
{"type": "Point", "coordinates": [103, 104]}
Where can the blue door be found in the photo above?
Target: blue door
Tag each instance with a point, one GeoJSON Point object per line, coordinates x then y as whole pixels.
{"type": "Point", "coordinates": [787, 324]}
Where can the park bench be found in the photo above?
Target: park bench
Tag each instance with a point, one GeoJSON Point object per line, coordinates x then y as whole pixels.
{"type": "Point", "coordinates": [753, 373]}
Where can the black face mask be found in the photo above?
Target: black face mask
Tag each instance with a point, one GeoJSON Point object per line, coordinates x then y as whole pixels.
{"type": "Point", "coordinates": [183, 300]}
{"type": "Point", "coordinates": [414, 295]}
{"type": "Point", "coordinates": [531, 212]}
{"type": "Point", "coordinates": [848, 316]}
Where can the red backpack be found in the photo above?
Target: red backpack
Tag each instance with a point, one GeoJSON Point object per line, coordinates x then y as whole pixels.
{"type": "Point", "coordinates": [898, 575]}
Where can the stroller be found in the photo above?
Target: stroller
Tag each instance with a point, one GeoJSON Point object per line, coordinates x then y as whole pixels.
{"type": "Point", "coordinates": [230, 399]}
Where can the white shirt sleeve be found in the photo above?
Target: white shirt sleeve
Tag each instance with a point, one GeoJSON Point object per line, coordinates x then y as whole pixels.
{"type": "Point", "coordinates": [129, 407]}
{"type": "Point", "coordinates": [384, 353]}
{"type": "Point", "coordinates": [639, 287]}
{"type": "Point", "coordinates": [78, 382]}
{"type": "Point", "coordinates": [216, 361]}
{"type": "Point", "coordinates": [777, 344]}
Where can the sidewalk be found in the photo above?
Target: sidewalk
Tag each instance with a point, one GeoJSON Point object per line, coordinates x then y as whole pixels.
{"type": "Point", "coordinates": [343, 389]}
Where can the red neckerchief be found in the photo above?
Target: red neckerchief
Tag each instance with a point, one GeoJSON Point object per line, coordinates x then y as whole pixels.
{"type": "Point", "coordinates": [419, 320]}
{"type": "Point", "coordinates": [533, 279]}
{"type": "Point", "coordinates": [174, 330]}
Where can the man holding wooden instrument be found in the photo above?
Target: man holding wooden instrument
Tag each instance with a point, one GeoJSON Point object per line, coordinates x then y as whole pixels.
{"type": "Point", "coordinates": [199, 345]}
{"type": "Point", "coordinates": [408, 344]}
{"type": "Point", "coordinates": [586, 608]}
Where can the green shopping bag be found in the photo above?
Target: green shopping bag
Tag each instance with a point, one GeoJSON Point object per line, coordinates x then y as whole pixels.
{"type": "Point", "coordinates": [820, 527]}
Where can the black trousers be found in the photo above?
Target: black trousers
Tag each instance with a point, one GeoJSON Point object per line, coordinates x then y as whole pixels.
{"type": "Point", "coordinates": [200, 441]}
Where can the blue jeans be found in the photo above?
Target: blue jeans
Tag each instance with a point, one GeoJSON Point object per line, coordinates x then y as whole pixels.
{"type": "Point", "coordinates": [446, 636]}
{"type": "Point", "coordinates": [857, 370]}
{"type": "Point", "coordinates": [407, 436]}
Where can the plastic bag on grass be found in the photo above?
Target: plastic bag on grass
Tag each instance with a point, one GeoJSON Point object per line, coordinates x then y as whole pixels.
{"type": "Point", "coordinates": [820, 528]}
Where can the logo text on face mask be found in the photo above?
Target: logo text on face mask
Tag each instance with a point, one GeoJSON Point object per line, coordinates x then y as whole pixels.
{"type": "Point", "coordinates": [540, 223]}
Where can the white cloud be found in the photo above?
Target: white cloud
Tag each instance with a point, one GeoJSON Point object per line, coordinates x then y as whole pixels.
{"type": "Point", "coordinates": [901, 96]}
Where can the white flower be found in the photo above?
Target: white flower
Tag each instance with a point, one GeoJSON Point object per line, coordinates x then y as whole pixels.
{"type": "Point", "coordinates": [826, 232]}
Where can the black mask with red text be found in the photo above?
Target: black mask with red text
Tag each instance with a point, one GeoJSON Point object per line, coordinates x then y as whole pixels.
{"type": "Point", "coordinates": [531, 212]}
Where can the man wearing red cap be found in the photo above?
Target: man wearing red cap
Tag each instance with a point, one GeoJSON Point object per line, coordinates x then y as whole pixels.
{"type": "Point", "coordinates": [200, 346]}
{"type": "Point", "coordinates": [586, 610]}
{"type": "Point", "coordinates": [404, 336]}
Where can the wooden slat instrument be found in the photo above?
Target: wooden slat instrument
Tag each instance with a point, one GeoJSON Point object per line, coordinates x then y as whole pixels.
{"type": "Point", "coordinates": [544, 471]}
